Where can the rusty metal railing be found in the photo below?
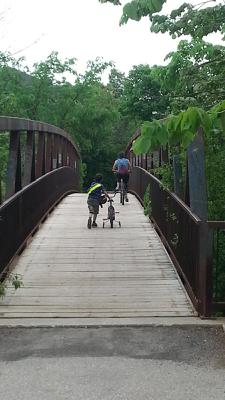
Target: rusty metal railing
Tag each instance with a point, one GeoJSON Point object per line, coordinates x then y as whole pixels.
{"type": "Point", "coordinates": [217, 229]}
{"type": "Point", "coordinates": [196, 246]}
{"type": "Point", "coordinates": [184, 235]}
{"type": "Point", "coordinates": [43, 166]}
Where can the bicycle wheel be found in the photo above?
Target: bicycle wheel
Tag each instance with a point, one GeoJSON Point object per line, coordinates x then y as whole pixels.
{"type": "Point", "coordinates": [111, 223]}
{"type": "Point", "coordinates": [122, 194]}
{"type": "Point", "coordinates": [123, 197]}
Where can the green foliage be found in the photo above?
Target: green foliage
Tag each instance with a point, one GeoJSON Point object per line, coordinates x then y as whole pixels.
{"type": "Point", "coordinates": [215, 163]}
{"type": "Point", "coordinates": [179, 129]}
{"type": "Point", "coordinates": [152, 135]}
{"type": "Point", "coordinates": [2, 290]}
{"type": "Point", "coordinates": [191, 20]}
{"type": "Point", "coordinates": [142, 96]}
{"type": "Point", "coordinates": [11, 85]}
{"type": "Point", "coordinates": [147, 201]}
{"type": "Point", "coordinates": [15, 280]}
{"type": "Point", "coordinates": [136, 9]}
{"type": "Point", "coordinates": [188, 19]}
{"type": "Point", "coordinates": [165, 174]}
{"type": "Point", "coordinates": [194, 74]}
{"type": "Point", "coordinates": [173, 217]}
{"type": "Point", "coordinates": [116, 83]}
{"type": "Point", "coordinates": [219, 267]}
{"type": "Point", "coordinates": [4, 149]}
{"type": "Point", "coordinates": [175, 240]}
{"type": "Point", "coordinates": [54, 92]}
{"type": "Point", "coordinates": [115, 2]}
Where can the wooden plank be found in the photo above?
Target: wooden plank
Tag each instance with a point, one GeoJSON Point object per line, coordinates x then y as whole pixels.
{"type": "Point", "coordinates": [72, 272]}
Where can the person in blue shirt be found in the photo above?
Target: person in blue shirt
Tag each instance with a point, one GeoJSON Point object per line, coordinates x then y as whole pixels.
{"type": "Point", "coordinates": [97, 195]}
{"type": "Point", "coordinates": [122, 168]}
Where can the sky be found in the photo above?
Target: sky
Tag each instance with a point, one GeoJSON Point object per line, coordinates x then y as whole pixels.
{"type": "Point", "coordinates": [84, 29]}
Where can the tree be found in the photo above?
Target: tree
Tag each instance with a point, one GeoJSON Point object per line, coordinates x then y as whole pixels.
{"type": "Point", "coordinates": [12, 85]}
{"type": "Point", "coordinates": [195, 20]}
{"type": "Point", "coordinates": [194, 74]}
{"type": "Point", "coordinates": [142, 97]}
{"type": "Point", "coordinates": [191, 20]}
{"type": "Point", "coordinates": [48, 78]}
{"type": "Point", "coordinates": [87, 109]}
{"type": "Point", "coordinates": [116, 83]}
{"type": "Point", "coordinates": [136, 9]}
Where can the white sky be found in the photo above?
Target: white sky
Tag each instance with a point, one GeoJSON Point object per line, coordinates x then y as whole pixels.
{"type": "Point", "coordinates": [84, 29]}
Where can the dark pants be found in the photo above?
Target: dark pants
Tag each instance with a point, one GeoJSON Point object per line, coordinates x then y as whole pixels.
{"type": "Point", "coordinates": [125, 178]}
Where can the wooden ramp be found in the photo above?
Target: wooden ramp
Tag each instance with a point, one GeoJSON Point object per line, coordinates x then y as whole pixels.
{"type": "Point", "coordinates": [72, 272]}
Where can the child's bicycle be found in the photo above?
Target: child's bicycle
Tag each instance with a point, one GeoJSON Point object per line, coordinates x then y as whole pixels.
{"type": "Point", "coordinates": [111, 215]}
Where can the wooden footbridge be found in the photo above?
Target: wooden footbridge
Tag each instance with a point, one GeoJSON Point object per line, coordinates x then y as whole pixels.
{"type": "Point", "coordinates": [158, 267]}
{"type": "Point", "coordinates": [70, 271]}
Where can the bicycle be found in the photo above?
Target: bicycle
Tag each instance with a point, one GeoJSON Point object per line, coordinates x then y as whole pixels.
{"type": "Point", "coordinates": [111, 215]}
{"type": "Point", "coordinates": [122, 191]}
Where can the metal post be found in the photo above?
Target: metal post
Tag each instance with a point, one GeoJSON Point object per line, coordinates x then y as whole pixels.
{"type": "Point", "coordinates": [205, 291]}
{"type": "Point", "coordinates": [13, 178]}
{"type": "Point", "coordinates": [64, 152]}
{"type": "Point", "coordinates": [152, 161]}
{"type": "Point", "coordinates": [40, 163]}
{"type": "Point", "coordinates": [49, 149]}
{"type": "Point", "coordinates": [60, 155]}
{"type": "Point", "coordinates": [55, 152]}
{"type": "Point", "coordinates": [165, 155]}
{"type": "Point", "coordinates": [197, 178]}
{"type": "Point", "coordinates": [177, 176]}
{"type": "Point", "coordinates": [29, 167]}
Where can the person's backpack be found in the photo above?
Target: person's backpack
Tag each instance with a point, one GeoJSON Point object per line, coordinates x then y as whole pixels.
{"type": "Point", "coordinates": [103, 199]}
{"type": "Point", "coordinates": [122, 168]}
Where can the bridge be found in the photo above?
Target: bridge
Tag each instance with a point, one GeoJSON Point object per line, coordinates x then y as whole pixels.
{"type": "Point", "coordinates": [160, 265]}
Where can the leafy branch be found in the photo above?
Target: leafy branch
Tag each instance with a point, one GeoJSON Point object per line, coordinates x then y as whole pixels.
{"type": "Point", "coordinates": [15, 280]}
{"type": "Point", "coordinates": [188, 19]}
{"type": "Point", "coordinates": [176, 129]}
{"type": "Point", "coordinates": [136, 9]}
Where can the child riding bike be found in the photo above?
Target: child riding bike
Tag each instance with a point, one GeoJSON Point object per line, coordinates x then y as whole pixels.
{"type": "Point", "coordinates": [122, 168]}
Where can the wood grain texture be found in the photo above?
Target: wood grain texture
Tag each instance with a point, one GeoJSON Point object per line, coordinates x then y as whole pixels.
{"type": "Point", "coordinates": [69, 271]}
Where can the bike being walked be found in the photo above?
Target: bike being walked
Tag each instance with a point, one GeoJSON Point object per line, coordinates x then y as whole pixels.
{"type": "Point", "coordinates": [122, 168]}
{"type": "Point", "coordinates": [97, 196]}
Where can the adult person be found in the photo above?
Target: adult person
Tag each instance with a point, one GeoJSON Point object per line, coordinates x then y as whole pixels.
{"type": "Point", "coordinates": [122, 168]}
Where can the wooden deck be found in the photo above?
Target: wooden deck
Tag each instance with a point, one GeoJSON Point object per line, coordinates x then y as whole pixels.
{"type": "Point", "coordinates": [72, 272]}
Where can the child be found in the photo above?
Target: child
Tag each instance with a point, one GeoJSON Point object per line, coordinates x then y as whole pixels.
{"type": "Point", "coordinates": [95, 193]}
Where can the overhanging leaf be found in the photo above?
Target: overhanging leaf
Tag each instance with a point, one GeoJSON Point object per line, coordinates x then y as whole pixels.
{"type": "Point", "coordinates": [141, 145]}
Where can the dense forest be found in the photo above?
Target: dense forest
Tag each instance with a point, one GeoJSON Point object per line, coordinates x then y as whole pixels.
{"type": "Point", "coordinates": [80, 104]}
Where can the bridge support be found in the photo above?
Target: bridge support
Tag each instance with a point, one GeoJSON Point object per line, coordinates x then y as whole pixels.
{"type": "Point", "coordinates": [41, 156]}
{"type": "Point", "coordinates": [196, 178]}
{"type": "Point", "coordinates": [205, 290]}
{"type": "Point", "coordinates": [29, 167]}
{"type": "Point", "coordinates": [13, 179]}
{"type": "Point", "coordinates": [177, 176]}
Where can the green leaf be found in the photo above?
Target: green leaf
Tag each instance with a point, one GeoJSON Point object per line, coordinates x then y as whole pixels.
{"type": "Point", "coordinates": [142, 145]}
{"type": "Point", "coordinates": [136, 9]}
